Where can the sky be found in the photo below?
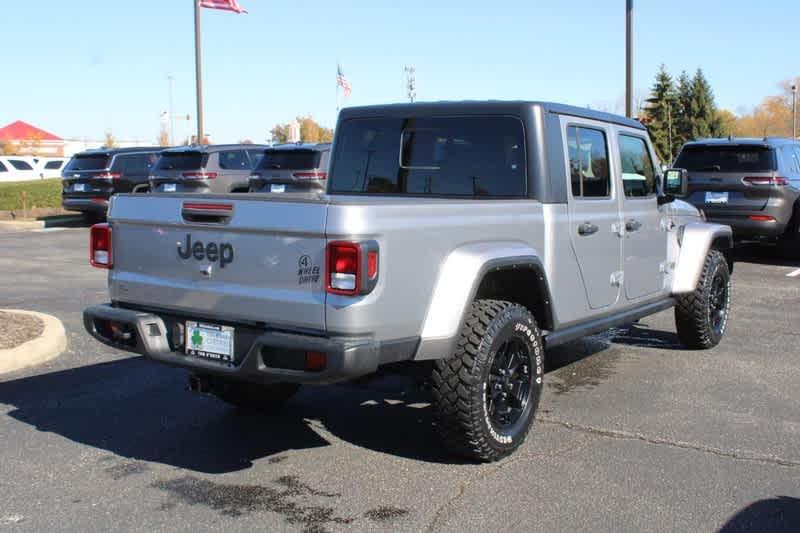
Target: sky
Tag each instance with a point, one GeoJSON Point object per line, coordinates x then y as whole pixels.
{"type": "Point", "coordinates": [82, 68]}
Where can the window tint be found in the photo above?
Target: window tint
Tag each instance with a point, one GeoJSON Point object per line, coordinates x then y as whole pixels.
{"type": "Point", "coordinates": [442, 156]}
{"type": "Point", "coordinates": [588, 163]}
{"type": "Point", "coordinates": [234, 160]}
{"type": "Point", "coordinates": [3, 168]}
{"type": "Point", "coordinates": [133, 165]}
{"type": "Point", "coordinates": [255, 157]}
{"type": "Point", "coordinates": [290, 159]}
{"type": "Point", "coordinates": [53, 165]}
{"type": "Point", "coordinates": [20, 165]}
{"type": "Point", "coordinates": [88, 162]}
{"type": "Point", "coordinates": [726, 158]}
{"type": "Point", "coordinates": [638, 174]}
{"type": "Point", "coordinates": [181, 161]}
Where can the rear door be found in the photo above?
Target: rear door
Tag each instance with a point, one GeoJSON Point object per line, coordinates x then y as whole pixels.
{"type": "Point", "coordinates": [718, 175]}
{"type": "Point", "coordinates": [593, 210]}
{"type": "Point", "coordinates": [221, 257]}
{"type": "Point", "coordinates": [645, 242]}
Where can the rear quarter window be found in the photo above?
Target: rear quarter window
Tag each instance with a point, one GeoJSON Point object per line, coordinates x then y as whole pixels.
{"type": "Point", "coordinates": [20, 165]}
{"type": "Point", "coordinates": [735, 158]}
{"type": "Point", "coordinates": [479, 157]}
{"type": "Point", "coordinates": [234, 160]}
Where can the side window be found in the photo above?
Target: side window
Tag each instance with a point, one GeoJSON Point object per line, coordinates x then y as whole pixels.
{"type": "Point", "coordinates": [234, 160]}
{"type": "Point", "coordinates": [20, 165]}
{"type": "Point", "coordinates": [791, 158]}
{"type": "Point", "coordinates": [797, 157]}
{"type": "Point", "coordinates": [588, 163]}
{"type": "Point", "coordinates": [255, 157]}
{"type": "Point", "coordinates": [3, 168]}
{"type": "Point", "coordinates": [53, 165]}
{"type": "Point", "coordinates": [638, 174]}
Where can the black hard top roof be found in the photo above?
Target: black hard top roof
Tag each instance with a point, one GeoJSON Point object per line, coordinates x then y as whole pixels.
{"type": "Point", "coordinates": [215, 147]}
{"type": "Point", "coordinates": [115, 151]}
{"type": "Point", "coordinates": [742, 141]}
{"type": "Point", "coordinates": [484, 107]}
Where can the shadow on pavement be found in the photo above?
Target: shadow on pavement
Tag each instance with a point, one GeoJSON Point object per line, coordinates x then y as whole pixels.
{"type": "Point", "coordinates": [763, 255]}
{"type": "Point", "coordinates": [778, 515]}
{"type": "Point", "coordinates": [66, 221]}
{"type": "Point", "coordinates": [141, 410]}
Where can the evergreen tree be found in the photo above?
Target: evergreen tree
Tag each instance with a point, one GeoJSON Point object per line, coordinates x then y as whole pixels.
{"type": "Point", "coordinates": [659, 113]}
{"type": "Point", "coordinates": [703, 118]}
{"type": "Point", "coordinates": [683, 112]}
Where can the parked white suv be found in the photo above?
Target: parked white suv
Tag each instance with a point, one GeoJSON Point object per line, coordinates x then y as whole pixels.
{"type": "Point", "coordinates": [17, 168]}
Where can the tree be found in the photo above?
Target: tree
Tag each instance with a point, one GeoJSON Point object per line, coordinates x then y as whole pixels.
{"type": "Point", "coordinates": [110, 142]}
{"type": "Point", "coordinates": [659, 113]}
{"type": "Point", "coordinates": [702, 109]}
{"type": "Point", "coordinates": [310, 131]}
{"type": "Point", "coordinates": [163, 137]}
{"type": "Point", "coordinates": [727, 122]}
{"type": "Point", "coordinates": [280, 133]}
{"type": "Point", "coordinates": [773, 116]}
{"type": "Point", "coordinates": [683, 123]}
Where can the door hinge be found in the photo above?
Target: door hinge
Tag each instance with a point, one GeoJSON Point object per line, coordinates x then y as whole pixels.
{"type": "Point", "coordinates": [619, 229]}
{"type": "Point", "coordinates": [617, 278]}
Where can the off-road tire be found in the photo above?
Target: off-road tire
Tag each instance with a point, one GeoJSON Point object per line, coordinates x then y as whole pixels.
{"type": "Point", "coordinates": [696, 314]}
{"type": "Point", "coordinates": [461, 383]}
{"type": "Point", "coordinates": [254, 397]}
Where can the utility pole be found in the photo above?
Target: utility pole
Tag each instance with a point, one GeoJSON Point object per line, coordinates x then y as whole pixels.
{"type": "Point", "coordinates": [669, 129]}
{"type": "Point", "coordinates": [794, 111]}
{"type": "Point", "coordinates": [411, 83]}
{"type": "Point", "coordinates": [198, 71]}
{"type": "Point", "coordinates": [171, 121]}
{"type": "Point", "coordinates": [628, 59]}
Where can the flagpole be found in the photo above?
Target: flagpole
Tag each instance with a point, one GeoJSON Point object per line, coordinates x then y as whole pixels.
{"type": "Point", "coordinates": [198, 71]}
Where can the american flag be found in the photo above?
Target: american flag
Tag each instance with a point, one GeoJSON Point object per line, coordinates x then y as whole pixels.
{"type": "Point", "coordinates": [342, 82]}
{"type": "Point", "coordinates": [227, 5]}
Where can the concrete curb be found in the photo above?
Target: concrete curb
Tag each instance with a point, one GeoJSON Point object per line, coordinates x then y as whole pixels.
{"type": "Point", "coordinates": [21, 224]}
{"type": "Point", "coordinates": [45, 347]}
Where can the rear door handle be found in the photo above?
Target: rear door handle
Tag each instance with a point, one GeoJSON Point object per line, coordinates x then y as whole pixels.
{"type": "Point", "coordinates": [632, 225]}
{"type": "Point", "coordinates": [587, 228]}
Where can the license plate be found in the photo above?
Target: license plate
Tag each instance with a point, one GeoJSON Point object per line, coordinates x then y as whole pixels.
{"type": "Point", "coordinates": [79, 187]}
{"type": "Point", "coordinates": [277, 188]}
{"type": "Point", "coordinates": [716, 197]}
{"type": "Point", "coordinates": [169, 187]}
{"type": "Point", "coordinates": [209, 341]}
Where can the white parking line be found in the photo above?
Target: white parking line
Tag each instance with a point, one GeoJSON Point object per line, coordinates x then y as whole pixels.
{"type": "Point", "coordinates": [794, 273]}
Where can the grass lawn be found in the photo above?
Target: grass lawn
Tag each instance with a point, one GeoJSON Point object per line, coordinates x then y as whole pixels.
{"type": "Point", "coordinates": [40, 193]}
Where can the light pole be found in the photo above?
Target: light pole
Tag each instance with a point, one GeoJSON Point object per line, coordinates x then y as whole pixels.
{"type": "Point", "coordinates": [794, 111]}
{"type": "Point", "coordinates": [411, 83]}
{"type": "Point", "coordinates": [171, 122]}
{"type": "Point", "coordinates": [628, 59]}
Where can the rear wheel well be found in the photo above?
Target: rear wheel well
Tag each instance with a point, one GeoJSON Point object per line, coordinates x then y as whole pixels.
{"type": "Point", "coordinates": [524, 285]}
{"type": "Point", "coordinates": [240, 190]}
{"type": "Point", "coordinates": [724, 245]}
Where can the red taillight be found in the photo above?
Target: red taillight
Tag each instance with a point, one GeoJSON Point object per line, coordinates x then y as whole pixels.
{"type": "Point", "coordinates": [351, 268]}
{"type": "Point", "coordinates": [100, 246]}
{"type": "Point", "coordinates": [200, 175]}
{"type": "Point", "coordinates": [99, 200]}
{"type": "Point", "coordinates": [343, 266]}
{"type": "Point", "coordinates": [761, 218]}
{"type": "Point", "coordinates": [109, 175]}
{"type": "Point", "coordinates": [316, 361]}
{"type": "Point", "coordinates": [310, 175]}
{"type": "Point", "coordinates": [766, 180]}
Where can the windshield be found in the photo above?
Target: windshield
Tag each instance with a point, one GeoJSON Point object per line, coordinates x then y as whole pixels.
{"type": "Point", "coordinates": [181, 161]}
{"type": "Point", "coordinates": [726, 159]}
{"type": "Point", "coordinates": [88, 162]}
{"type": "Point", "coordinates": [290, 159]}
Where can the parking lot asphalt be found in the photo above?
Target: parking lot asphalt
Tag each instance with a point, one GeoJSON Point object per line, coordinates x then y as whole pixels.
{"type": "Point", "coordinates": [633, 434]}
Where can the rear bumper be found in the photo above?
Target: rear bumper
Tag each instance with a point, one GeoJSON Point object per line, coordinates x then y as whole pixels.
{"type": "Point", "coordinates": [97, 204]}
{"type": "Point", "coordinates": [155, 336]}
{"type": "Point", "coordinates": [780, 209]}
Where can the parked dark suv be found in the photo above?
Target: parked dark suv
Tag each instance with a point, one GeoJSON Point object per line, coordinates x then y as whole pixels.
{"type": "Point", "coordinates": [292, 167]}
{"type": "Point", "coordinates": [752, 185]}
{"type": "Point", "coordinates": [92, 177]}
{"type": "Point", "coordinates": [215, 168]}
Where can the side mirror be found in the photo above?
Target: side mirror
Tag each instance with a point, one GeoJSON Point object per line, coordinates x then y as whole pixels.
{"type": "Point", "coordinates": [676, 182]}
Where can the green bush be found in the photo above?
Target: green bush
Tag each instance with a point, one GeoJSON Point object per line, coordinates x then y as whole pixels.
{"type": "Point", "coordinates": [40, 193]}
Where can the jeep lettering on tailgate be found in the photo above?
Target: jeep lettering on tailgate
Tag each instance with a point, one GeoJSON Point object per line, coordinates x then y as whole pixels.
{"type": "Point", "coordinates": [222, 252]}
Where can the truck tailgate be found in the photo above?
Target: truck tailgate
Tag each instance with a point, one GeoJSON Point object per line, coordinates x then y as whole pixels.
{"type": "Point", "coordinates": [229, 258]}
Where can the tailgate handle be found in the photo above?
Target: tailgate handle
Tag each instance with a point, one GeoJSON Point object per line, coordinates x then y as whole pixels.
{"type": "Point", "coordinates": [207, 213]}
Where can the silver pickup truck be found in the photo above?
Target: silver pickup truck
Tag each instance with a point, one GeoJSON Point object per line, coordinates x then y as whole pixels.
{"type": "Point", "coordinates": [470, 236]}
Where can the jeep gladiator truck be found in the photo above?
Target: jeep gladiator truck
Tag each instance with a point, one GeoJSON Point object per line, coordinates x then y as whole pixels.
{"type": "Point", "coordinates": [471, 236]}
